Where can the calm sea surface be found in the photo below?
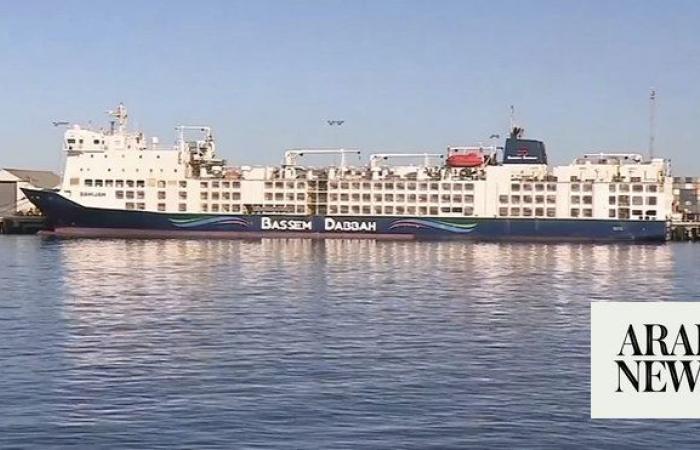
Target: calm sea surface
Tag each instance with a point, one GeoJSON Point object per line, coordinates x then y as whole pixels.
{"type": "Point", "coordinates": [317, 345]}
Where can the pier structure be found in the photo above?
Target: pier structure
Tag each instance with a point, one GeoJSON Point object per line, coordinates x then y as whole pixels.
{"type": "Point", "coordinates": [22, 224]}
{"type": "Point", "coordinates": [685, 231]}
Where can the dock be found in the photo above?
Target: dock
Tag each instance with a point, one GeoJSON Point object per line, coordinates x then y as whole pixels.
{"type": "Point", "coordinates": [685, 231]}
{"type": "Point", "coordinates": [21, 224]}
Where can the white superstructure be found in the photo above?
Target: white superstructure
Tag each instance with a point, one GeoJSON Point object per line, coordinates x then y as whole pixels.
{"type": "Point", "coordinates": [118, 169]}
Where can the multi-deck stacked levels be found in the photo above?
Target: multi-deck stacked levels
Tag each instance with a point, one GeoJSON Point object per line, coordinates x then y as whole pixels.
{"type": "Point", "coordinates": [118, 183]}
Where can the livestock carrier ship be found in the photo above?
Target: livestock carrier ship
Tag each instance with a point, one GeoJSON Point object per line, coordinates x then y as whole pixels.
{"type": "Point", "coordinates": [117, 183]}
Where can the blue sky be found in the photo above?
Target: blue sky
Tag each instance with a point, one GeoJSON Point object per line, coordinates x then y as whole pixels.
{"type": "Point", "coordinates": [405, 75]}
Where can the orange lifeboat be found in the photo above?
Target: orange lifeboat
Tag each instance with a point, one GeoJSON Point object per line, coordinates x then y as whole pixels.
{"type": "Point", "coordinates": [471, 159]}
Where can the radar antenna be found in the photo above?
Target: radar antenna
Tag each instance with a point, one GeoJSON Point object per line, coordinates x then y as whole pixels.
{"type": "Point", "coordinates": [122, 117]}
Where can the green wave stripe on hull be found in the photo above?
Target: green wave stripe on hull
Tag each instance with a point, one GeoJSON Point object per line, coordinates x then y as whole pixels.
{"type": "Point", "coordinates": [188, 219]}
{"type": "Point", "coordinates": [466, 226]}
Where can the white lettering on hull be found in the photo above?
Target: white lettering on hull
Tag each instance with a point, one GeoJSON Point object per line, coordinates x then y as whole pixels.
{"type": "Point", "coordinates": [349, 225]}
{"type": "Point", "coordinates": [267, 223]}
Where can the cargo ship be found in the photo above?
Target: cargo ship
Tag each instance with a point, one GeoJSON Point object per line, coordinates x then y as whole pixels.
{"type": "Point", "coordinates": [118, 183]}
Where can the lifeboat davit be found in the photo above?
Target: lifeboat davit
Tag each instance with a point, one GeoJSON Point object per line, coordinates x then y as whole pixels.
{"type": "Point", "coordinates": [471, 159]}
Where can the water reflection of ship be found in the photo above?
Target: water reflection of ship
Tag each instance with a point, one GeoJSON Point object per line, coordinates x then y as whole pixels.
{"type": "Point", "coordinates": [496, 270]}
{"type": "Point", "coordinates": [176, 275]}
{"type": "Point", "coordinates": [174, 307]}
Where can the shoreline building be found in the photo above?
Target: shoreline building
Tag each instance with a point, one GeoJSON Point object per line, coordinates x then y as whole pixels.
{"type": "Point", "coordinates": [12, 181]}
{"type": "Point", "coordinates": [686, 196]}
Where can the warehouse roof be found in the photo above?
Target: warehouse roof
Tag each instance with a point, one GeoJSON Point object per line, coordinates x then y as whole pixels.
{"type": "Point", "coordinates": [38, 178]}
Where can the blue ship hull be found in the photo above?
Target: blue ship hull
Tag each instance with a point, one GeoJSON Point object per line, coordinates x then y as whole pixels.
{"type": "Point", "coordinates": [67, 218]}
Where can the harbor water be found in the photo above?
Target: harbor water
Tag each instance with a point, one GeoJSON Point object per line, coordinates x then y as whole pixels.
{"type": "Point", "coordinates": [295, 344]}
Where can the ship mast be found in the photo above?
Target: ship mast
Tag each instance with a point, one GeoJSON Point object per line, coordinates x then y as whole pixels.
{"type": "Point", "coordinates": [512, 117]}
{"type": "Point", "coordinates": [516, 132]}
{"type": "Point", "coordinates": [121, 115]}
{"type": "Point", "coordinates": [652, 121]}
